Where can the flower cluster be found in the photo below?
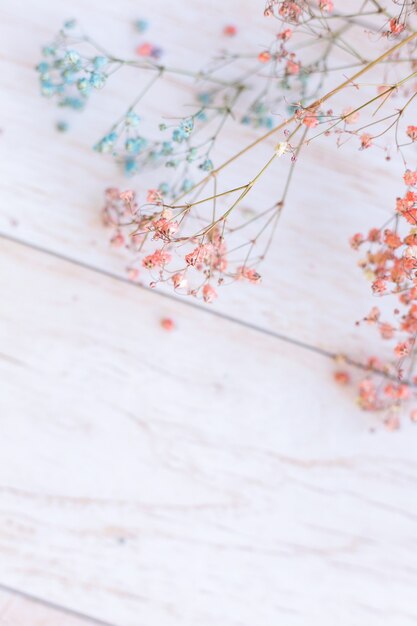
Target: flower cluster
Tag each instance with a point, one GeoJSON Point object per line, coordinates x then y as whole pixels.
{"type": "Point", "coordinates": [390, 263]}
{"type": "Point", "coordinates": [134, 152]}
{"type": "Point", "coordinates": [183, 235]}
{"type": "Point", "coordinates": [67, 74]}
{"type": "Point", "coordinates": [195, 264]}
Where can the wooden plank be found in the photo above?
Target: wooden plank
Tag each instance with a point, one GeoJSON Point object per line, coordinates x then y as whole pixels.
{"type": "Point", "coordinates": [211, 474]}
{"type": "Point", "coordinates": [51, 190]}
{"type": "Point", "coordinates": [20, 610]}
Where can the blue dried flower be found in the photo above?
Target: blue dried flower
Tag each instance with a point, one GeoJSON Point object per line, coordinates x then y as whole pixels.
{"type": "Point", "coordinates": [207, 165]}
{"type": "Point", "coordinates": [69, 77]}
{"type": "Point", "coordinates": [205, 98]}
{"type": "Point", "coordinates": [100, 62]}
{"type": "Point", "coordinates": [106, 143]}
{"type": "Point", "coordinates": [141, 25]}
{"type": "Point", "coordinates": [192, 155]}
{"type": "Point", "coordinates": [84, 86]}
{"type": "Point", "coordinates": [97, 80]}
{"type": "Point", "coordinates": [178, 135]}
{"type": "Point", "coordinates": [163, 189]}
{"type": "Point", "coordinates": [72, 59]}
{"type": "Point", "coordinates": [187, 126]}
{"type": "Point", "coordinates": [43, 67]}
{"type": "Point", "coordinates": [47, 88]}
{"type": "Point", "coordinates": [62, 126]}
{"type": "Point", "coordinates": [268, 122]}
{"type": "Point", "coordinates": [187, 185]}
{"type": "Point", "coordinates": [135, 145]}
{"type": "Point", "coordinates": [130, 167]}
{"type": "Point", "coordinates": [69, 24]}
{"type": "Point", "coordinates": [48, 51]}
{"type": "Point", "coordinates": [73, 103]}
{"type": "Point", "coordinates": [132, 119]}
{"type": "Point", "coordinates": [167, 148]}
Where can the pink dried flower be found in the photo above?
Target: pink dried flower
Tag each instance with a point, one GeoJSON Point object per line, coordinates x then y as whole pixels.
{"type": "Point", "coordinates": [386, 330]}
{"type": "Point", "coordinates": [230, 30]}
{"type": "Point", "coordinates": [209, 294]}
{"type": "Point", "coordinates": [406, 207]}
{"type": "Point", "coordinates": [373, 315]}
{"type": "Point", "coordinates": [127, 196]}
{"type": "Point", "coordinates": [117, 240]}
{"type": "Point", "coordinates": [167, 324]}
{"type": "Point", "coordinates": [391, 239]}
{"type": "Point", "coordinates": [159, 258]}
{"type": "Point", "coordinates": [395, 26]}
{"type": "Point", "coordinates": [374, 235]}
{"type": "Point", "coordinates": [198, 255]}
{"type": "Point", "coordinates": [356, 241]}
{"type": "Point", "coordinates": [154, 196]}
{"type": "Point", "coordinates": [311, 121]}
{"type": "Point", "coordinates": [179, 281]}
{"type": "Point", "coordinates": [264, 57]}
{"type": "Point", "coordinates": [342, 377]}
{"type": "Point", "coordinates": [165, 228]}
{"type": "Point", "coordinates": [290, 11]}
{"type": "Point", "coordinates": [112, 193]}
{"type": "Point", "coordinates": [366, 141]}
{"type": "Point", "coordinates": [379, 286]}
{"type": "Point", "coordinates": [133, 273]}
{"type": "Point", "coordinates": [412, 132]}
{"type": "Point", "coordinates": [326, 5]}
{"type": "Point", "coordinates": [402, 349]}
{"type": "Point", "coordinates": [410, 178]}
{"type": "Point", "coordinates": [285, 34]}
{"type": "Point", "coordinates": [392, 423]}
{"type": "Point", "coordinates": [350, 115]}
{"type": "Point", "coordinates": [293, 68]}
{"type": "Point", "coordinates": [145, 50]}
{"type": "Point", "coordinates": [374, 364]}
{"type": "Point", "coordinates": [249, 274]}
{"type": "Point", "coordinates": [367, 394]}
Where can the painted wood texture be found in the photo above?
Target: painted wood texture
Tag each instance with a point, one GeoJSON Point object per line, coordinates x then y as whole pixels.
{"type": "Point", "coordinates": [52, 187]}
{"type": "Point", "coordinates": [18, 610]}
{"type": "Point", "coordinates": [195, 476]}
{"type": "Point", "coordinates": [215, 474]}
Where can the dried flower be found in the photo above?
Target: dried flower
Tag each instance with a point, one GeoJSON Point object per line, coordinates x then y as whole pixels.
{"type": "Point", "coordinates": [326, 6]}
{"type": "Point", "coordinates": [412, 132]}
{"type": "Point", "coordinates": [342, 377]}
{"type": "Point", "coordinates": [167, 324]}
{"type": "Point", "coordinates": [230, 30]}
{"type": "Point", "coordinates": [264, 57]}
{"type": "Point", "coordinates": [209, 294]}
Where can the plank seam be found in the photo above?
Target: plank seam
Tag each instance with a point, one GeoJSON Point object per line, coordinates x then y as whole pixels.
{"type": "Point", "coordinates": [229, 318]}
{"type": "Point", "coordinates": [53, 606]}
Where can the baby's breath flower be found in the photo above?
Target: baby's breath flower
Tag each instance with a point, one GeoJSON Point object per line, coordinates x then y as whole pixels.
{"type": "Point", "coordinates": [281, 148]}
{"type": "Point", "coordinates": [209, 294]}
{"type": "Point", "coordinates": [141, 25]}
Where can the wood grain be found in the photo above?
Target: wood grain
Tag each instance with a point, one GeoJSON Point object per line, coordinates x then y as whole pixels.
{"type": "Point", "coordinates": [214, 474]}
{"type": "Point", "coordinates": [52, 184]}
{"type": "Point", "coordinates": [207, 475]}
{"type": "Point", "coordinates": [20, 610]}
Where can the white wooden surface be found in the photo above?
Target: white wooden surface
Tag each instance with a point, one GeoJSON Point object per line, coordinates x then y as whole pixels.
{"type": "Point", "coordinates": [52, 186]}
{"type": "Point", "coordinates": [20, 610]}
{"type": "Point", "coordinates": [212, 475]}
